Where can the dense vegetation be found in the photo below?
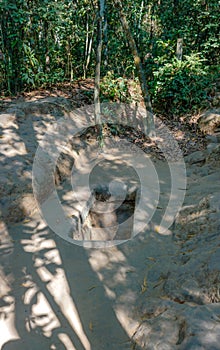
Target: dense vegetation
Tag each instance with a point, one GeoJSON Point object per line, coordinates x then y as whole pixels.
{"type": "Point", "coordinates": [44, 42]}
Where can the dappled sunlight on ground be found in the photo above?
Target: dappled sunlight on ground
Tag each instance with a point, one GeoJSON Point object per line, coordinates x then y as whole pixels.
{"type": "Point", "coordinates": [41, 318]}
{"type": "Point", "coordinates": [117, 285]}
{"type": "Point", "coordinates": [56, 282]}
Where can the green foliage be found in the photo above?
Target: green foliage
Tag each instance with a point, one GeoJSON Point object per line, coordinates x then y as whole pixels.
{"type": "Point", "coordinates": [47, 41]}
{"type": "Point", "coordinates": [114, 89]}
{"type": "Point", "coordinates": [181, 86]}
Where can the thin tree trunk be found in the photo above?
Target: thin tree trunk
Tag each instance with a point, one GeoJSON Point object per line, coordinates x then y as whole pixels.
{"type": "Point", "coordinates": [4, 54]}
{"type": "Point", "coordinates": [179, 49]}
{"type": "Point", "coordinates": [140, 15]}
{"type": "Point", "coordinates": [87, 44]}
{"type": "Point", "coordinates": [105, 31]}
{"type": "Point", "coordinates": [88, 49]}
{"type": "Point", "coordinates": [71, 71]}
{"type": "Point", "coordinates": [149, 119]}
{"type": "Point", "coordinates": [98, 68]}
{"type": "Point", "coordinates": [89, 52]}
{"type": "Point", "coordinates": [139, 35]}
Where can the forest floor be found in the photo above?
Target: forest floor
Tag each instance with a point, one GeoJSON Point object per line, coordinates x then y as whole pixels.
{"type": "Point", "coordinates": [155, 291]}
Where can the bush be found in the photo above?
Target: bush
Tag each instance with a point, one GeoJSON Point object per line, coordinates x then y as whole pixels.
{"type": "Point", "coordinates": [181, 87]}
{"type": "Point", "coordinates": [114, 89]}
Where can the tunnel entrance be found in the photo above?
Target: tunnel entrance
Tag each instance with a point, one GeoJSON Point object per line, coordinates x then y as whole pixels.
{"type": "Point", "coordinates": [108, 216]}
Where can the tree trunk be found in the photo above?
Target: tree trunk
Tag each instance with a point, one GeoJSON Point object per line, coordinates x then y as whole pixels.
{"type": "Point", "coordinates": [105, 31]}
{"type": "Point", "coordinates": [179, 49]}
{"type": "Point", "coordinates": [98, 68]}
{"type": "Point", "coordinates": [89, 50]}
{"type": "Point", "coordinates": [88, 46]}
{"type": "Point", "coordinates": [149, 119]}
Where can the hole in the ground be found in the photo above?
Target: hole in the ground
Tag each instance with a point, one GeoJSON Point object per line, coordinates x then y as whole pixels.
{"type": "Point", "coordinates": [109, 217]}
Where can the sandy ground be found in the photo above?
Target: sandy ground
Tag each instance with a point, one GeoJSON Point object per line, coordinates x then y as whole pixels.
{"type": "Point", "coordinates": [155, 291]}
